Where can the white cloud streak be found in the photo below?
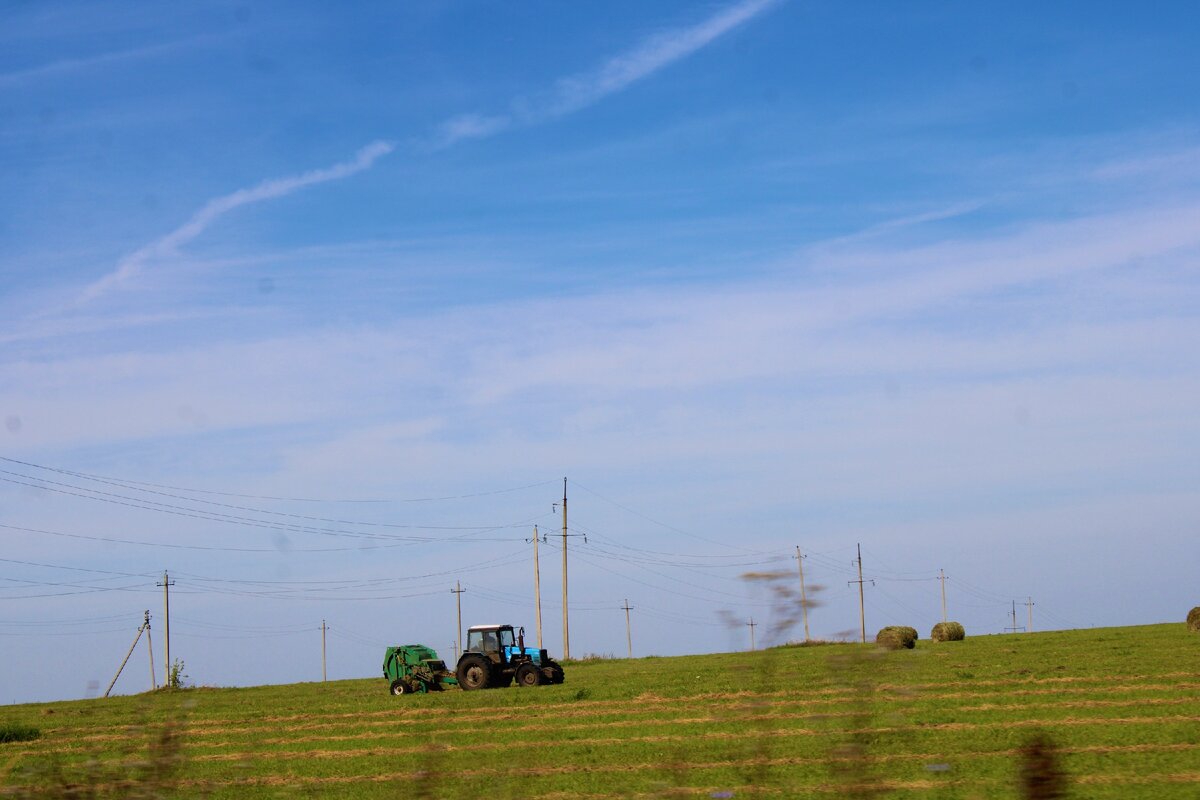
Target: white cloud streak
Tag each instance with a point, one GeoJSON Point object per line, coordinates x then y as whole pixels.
{"type": "Point", "coordinates": [570, 94]}
{"type": "Point", "coordinates": [576, 92]}
{"type": "Point", "coordinates": [68, 66]}
{"type": "Point", "coordinates": [133, 264]}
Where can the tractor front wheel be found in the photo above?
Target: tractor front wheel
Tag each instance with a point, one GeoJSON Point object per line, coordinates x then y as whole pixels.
{"type": "Point", "coordinates": [528, 675]}
{"type": "Point", "coordinates": [474, 672]}
{"type": "Point", "coordinates": [556, 672]}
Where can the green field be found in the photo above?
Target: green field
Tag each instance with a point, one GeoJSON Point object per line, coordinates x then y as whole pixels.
{"type": "Point", "coordinates": [1121, 706]}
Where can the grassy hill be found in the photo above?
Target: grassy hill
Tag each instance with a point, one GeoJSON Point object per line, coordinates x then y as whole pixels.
{"type": "Point", "coordinates": [1117, 709]}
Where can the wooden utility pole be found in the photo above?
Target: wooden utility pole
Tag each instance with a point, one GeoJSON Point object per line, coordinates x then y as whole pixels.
{"type": "Point", "coordinates": [324, 674]}
{"type": "Point", "coordinates": [167, 584]}
{"type": "Point", "coordinates": [942, 578]}
{"type": "Point", "coordinates": [752, 625]}
{"type": "Point", "coordinates": [566, 626]}
{"type": "Point", "coordinates": [628, 629]}
{"type": "Point", "coordinates": [862, 611]}
{"type": "Point", "coordinates": [150, 647]}
{"type": "Point", "coordinates": [1029, 604]}
{"type": "Point", "coordinates": [145, 626]}
{"type": "Point", "coordinates": [537, 586]}
{"type": "Point", "coordinates": [458, 590]}
{"type": "Point", "coordinates": [803, 596]}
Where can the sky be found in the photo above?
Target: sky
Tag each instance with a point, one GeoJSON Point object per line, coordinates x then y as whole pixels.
{"type": "Point", "coordinates": [313, 307]}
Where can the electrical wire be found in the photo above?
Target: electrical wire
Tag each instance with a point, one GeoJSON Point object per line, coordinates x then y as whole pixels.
{"type": "Point", "coordinates": [90, 590]}
{"type": "Point", "coordinates": [663, 524]}
{"type": "Point", "coordinates": [132, 484]}
{"type": "Point", "coordinates": [76, 569]}
{"type": "Point", "coordinates": [215, 516]}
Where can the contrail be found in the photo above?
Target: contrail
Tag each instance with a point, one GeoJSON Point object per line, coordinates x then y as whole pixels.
{"type": "Point", "coordinates": [133, 264]}
{"type": "Point", "coordinates": [579, 91]}
{"type": "Point", "coordinates": [568, 95]}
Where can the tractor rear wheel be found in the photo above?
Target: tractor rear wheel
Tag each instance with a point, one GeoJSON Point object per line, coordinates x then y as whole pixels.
{"type": "Point", "coordinates": [400, 687]}
{"type": "Point", "coordinates": [474, 672]}
{"type": "Point", "coordinates": [528, 675]}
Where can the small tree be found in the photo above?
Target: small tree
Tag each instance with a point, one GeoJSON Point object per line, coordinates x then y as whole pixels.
{"type": "Point", "coordinates": [176, 676]}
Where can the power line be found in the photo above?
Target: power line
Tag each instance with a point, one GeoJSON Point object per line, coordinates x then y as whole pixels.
{"type": "Point", "coordinates": [216, 516]}
{"type": "Point", "coordinates": [710, 591]}
{"type": "Point", "coordinates": [85, 590]}
{"type": "Point", "coordinates": [132, 484]}
{"type": "Point", "coordinates": [208, 548]}
{"type": "Point", "coordinates": [596, 534]}
{"type": "Point", "coordinates": [662, 524]}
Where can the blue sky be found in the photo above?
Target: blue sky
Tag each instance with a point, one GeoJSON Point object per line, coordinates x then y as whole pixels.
{"type": "Point", "coordinates": [751, 274]}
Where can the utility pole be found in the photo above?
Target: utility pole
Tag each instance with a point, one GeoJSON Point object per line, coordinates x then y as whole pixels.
{"type": "Point", "coordinates": [1029, 604]}
{"type": "Point", "coordinates": [537, 586]}
{"type": "Point", "coordinates": [628, 629]}
{"type": "Point", "coordinates": [145, 626]}
{"type": "Point", "coordinates": [942, 578]}
{"type": "Point", "coordinates": [1014, 627]}
{"type": "Point", "coordinates": [150, 647]}
{"type": "Point", "coordinates": [167, 584]}
{"type": "Point", "coordinates": [566, 626]}
{"type": "Point", "coordinates": [752, 625]}
{"type": "Point", "coordinates": [803, 596]}
{"type": "Point", "coordinates": [324, 675]}
{"type": "Point", "coordinates": [862, 611]}
{"type": "Point", "coordinates": [458, 590]}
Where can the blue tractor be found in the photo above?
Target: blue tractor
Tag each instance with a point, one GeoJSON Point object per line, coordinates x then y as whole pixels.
{"type": "Point", "coordinates": [496, 655]}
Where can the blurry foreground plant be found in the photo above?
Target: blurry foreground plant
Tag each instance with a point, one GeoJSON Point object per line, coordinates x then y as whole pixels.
{"type": "Point", "coordinates": [134, 773]}
{"type": "Point", "coordinates": [1041, 776]}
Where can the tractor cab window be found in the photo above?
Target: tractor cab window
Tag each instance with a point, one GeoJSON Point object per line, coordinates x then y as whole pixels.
{"type": "Point", "coordinates": [483, 641]}
{"type": "Point", "coordinates": [506, 638]}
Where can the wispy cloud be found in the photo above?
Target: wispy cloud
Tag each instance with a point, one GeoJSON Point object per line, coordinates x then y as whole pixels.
{"type": "Point", "coordinates": [134, 263]}
{"type": "Point", "coordinates": [575, 92]}
{"type": "Point", "coordinates": [569, 94]}
{"type": "Point", "coordinates": [68, 66]}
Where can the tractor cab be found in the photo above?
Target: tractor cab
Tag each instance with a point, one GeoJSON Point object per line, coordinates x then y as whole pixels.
{"type": "Point", "coordinates": [491, 640]}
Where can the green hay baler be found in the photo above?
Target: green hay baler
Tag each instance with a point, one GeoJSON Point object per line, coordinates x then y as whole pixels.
{"type": "Point", "coordinates": [415, 668]}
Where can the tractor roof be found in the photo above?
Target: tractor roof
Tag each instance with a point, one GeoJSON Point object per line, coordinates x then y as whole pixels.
{"type": "Point", "coordinates": [487, 627]}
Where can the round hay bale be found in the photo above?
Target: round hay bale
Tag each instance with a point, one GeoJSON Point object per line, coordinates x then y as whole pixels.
{"type": "Point", "coordinates": [948, 632]}
{"type": "Point", "coordinates": [894, 637]}
{"type": "Point", "coordinates": [1193, 619]}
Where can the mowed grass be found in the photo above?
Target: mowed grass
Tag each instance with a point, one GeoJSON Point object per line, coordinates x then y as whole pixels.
{"type": "Point", "coordinates": [1122, 706]}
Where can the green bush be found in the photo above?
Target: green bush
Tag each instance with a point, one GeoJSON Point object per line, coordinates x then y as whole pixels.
{"type": "Point", "coordinates": [894, 637]}
{"type": "Point", "coordinates": [12, 732]}
{"type": "Point", "coordinates": [948, 632]}
{"type": "Point", "coordinates": [1193, 619]}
